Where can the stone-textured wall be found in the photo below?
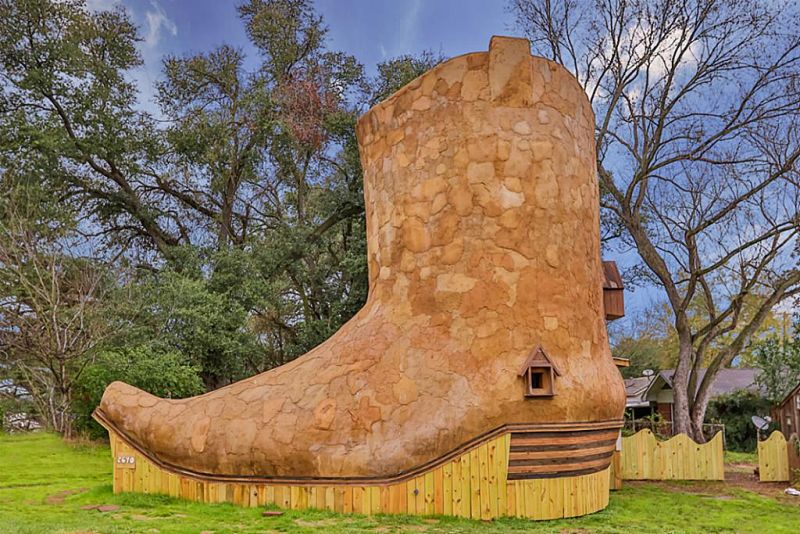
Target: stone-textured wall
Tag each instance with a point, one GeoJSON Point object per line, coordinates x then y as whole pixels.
{"type": "Point", "coordinates": [483, 240]}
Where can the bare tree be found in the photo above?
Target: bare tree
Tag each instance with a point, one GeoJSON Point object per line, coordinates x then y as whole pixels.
{"type": "Point", "coordinates": [697, 107]}
{"type": "Point", "coordinates": [49, 318]}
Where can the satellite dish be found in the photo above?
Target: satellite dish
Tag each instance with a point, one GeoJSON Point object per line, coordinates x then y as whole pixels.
{"type": "Point", "coordinates": [648, 372]}
{"type": "Point", "coordinates": [761, 422]}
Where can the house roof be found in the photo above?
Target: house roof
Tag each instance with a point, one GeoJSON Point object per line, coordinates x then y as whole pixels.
{"type": "Point", "coordinates": [727, 380]}
{"type": "Point", "coordinates": [611, 276]}
{"type": "Point", "coordinates": [638, 389]}
{"type": "Point", "coordinates": [635, 389]}
{"type": "Point", "coordinates": [637, 386]}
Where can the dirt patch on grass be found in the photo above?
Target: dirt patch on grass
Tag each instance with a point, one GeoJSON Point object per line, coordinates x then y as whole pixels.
{"type": "Point", "coordinates": [740, 468]}
{"type": "Point", "coordinates": [58, 498]}
{"type": "Point", "coordinates": [749, 482]}
{"type": "Point", "coordinates": [743, 475]}
{"type": "Point", "coordinates": [101, 507]}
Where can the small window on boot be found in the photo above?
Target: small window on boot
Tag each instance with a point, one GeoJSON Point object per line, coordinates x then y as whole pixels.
{"type": "Point", "coordinates": [537, 378]}
{"type": "Point", "coordinates": [539, 373]}
{"type": "Point", "coordinates": [540, 382]}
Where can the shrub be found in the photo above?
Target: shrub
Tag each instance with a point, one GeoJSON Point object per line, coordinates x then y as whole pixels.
{"type": "Point", "coordinates": [162, 373]}
{"type": "Point", "coordinates": [735, 410]}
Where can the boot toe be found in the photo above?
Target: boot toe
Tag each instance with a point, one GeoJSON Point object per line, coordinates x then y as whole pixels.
{"type": "Point", "coordinates": [129, 409]}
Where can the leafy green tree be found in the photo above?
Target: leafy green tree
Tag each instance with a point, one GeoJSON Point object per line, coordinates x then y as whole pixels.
{"type": "Point", "coordinates": [261, 161]}
{"type": "Point", "coordinates": [735, 411]}
{"type": "Point", "coordinates": [66, 97]}
{"type": "Point", "coordinates": [778, 361]}
{"type": "Point", "coordinates": [642, 352]}
{"type": "Point", "coordinates": [159, 372]}
{"type": "Point", "coordinates": [646, 341]}
{"type": "Point", "coordinates": [186, 316]}
{"type": "Point", "coordinates": [397, 72]}
{"type": "Point", "coordinates": [231, 231]}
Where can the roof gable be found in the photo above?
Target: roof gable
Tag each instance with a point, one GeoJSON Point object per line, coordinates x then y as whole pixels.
{"type": "Point", "coordinates": [658, 383]}
{"type": "Point", "coordinates": [538, 358]}
{"type": "Point", "coordinates": [791, 394]}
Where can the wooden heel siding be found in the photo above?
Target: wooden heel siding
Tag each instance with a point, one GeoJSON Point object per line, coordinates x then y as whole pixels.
{"type": "Point", "coordinates": [512, 473]}
{"type": "Point", "coordinates": [560, 454]}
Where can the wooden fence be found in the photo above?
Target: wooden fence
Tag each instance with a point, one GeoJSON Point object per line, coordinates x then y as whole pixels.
{"type": "Point", "coordinates": [678, 458]}
{"type": "Point", "coordinates": [773, 459]}
{"type": "Point", "coordinates": [474, 484]}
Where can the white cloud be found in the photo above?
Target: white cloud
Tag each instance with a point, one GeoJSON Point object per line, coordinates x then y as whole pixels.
{"type": "Point", "coordinates": [634, 44]}
{"type": "Point", "coordinates": [156, 29]}
{"type": "Point", "coordinates": [157, 22]}
{"type": "Point", "coordinates": [408, 28]}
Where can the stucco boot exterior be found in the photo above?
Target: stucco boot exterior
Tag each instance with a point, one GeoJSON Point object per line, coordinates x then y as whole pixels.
{"type": "Point", "coordinates": [485, 309]}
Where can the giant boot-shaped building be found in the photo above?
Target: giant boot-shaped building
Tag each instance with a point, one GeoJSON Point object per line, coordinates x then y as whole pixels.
{"type": "Point", "coordinates": [484, 321]}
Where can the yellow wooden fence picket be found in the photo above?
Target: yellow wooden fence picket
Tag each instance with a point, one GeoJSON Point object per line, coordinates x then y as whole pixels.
{"type": "Point", "coordinates": [773, 459]}
{"type": "Point", "coordinates": [678, 458]}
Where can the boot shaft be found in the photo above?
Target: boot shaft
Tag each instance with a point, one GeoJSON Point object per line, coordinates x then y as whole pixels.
{"type": "Point", "coordinates": [482, 197]}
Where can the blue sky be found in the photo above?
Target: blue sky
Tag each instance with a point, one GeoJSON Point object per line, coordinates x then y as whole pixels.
{"type": "Point", "coordinates": [370, 30]}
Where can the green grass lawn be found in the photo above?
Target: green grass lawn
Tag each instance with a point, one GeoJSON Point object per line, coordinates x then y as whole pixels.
{"type": "Point", "coordinates": [44, 482]}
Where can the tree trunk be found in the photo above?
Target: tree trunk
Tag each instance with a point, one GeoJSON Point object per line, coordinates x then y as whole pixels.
{"type": "Point", "coordinates": [681, 415]}
{"type": "Point", "coordinates": [701, 401]}
{"type": "Point", "coordinates": [698, 417]}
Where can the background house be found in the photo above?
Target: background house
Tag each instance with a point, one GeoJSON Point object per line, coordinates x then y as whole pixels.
{"type": "Point", "coordinates": [637, 406]}
{"type": "Point", "coordinates": [787, 413]}
{"type": "Point", "coordinates": [647, 395]}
